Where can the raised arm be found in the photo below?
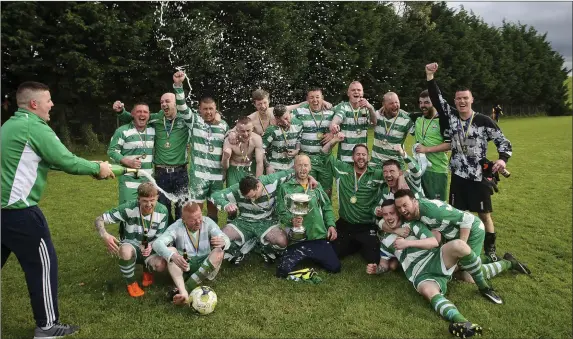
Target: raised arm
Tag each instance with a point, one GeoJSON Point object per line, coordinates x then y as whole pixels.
{"type": "Point", "coordinates": [441, 105]}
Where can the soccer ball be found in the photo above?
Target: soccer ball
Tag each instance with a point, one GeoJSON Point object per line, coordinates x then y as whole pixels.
{"type": "Point", "coordinates": [203, 300]}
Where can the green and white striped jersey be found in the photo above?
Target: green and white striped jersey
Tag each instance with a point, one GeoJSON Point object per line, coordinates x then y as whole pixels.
{"type": "Point", "coordinates": [262, 208]}
{"type": "Point", "coordinates": [312, 124]}
{"type": "Point", "coordinates": [438, 215]}
{"type": "Point", "coordinates": [412, 259]}
{"type": "Point", "coordinates": [127, 141]}
{"type": "Point", "coordinates": [29, 148]}
{"type": "Point", "coordinates": [129, 213]}
{"type": "Point", "coordinates": [196, 244]}
{"type": "Point", "coordinates": [387, 134]}
{"type": "Point", "coordinates": [206, 141]}
{"type": "Point", "coordinates": [277, 142]}
{"type": "Point", "coordinates": [354, 125]}
{"type": "Point", "coordinates": [413, 177]}
{"type": "Point", "coordinates": [366, 189]}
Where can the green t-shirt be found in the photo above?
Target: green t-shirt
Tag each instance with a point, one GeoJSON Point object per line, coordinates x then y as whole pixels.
{"type": "Point", "coordinates": [129, 213]}
{"type": "Point", "coordinates": [389, 133]}
{"type": "Point", "coordinates": [412, 259]}
{"type": "Point", "coordinates": [262, 208]}
{"type": "Point", "coordinates": [277, 142]}
{"type": "Point", "coordinates": [354, 125]}
{"type": "Point", "coordinates": [438, 215]}
{"type": "Point", "coordinates": [366, 189]}
{"type": "Point", "coordinates": [320, 216]}
{"type": "Point", "coordinates": [313, 123]}
{"type": "Point", "coordinates": [427, 132]}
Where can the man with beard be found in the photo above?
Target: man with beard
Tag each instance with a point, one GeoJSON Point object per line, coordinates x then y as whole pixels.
{"type": "Point", "coordinates": [392, 126]}
{"type": "Point", "coordinates": [319, 224]}
{"type": "Point", "coordinates": [315, 127]}
{"type": "Point", "coordinates": [237, 158]}
{"type": "Point", "coordinates": [451, 224]}
{"type": "Point", "coordinates": [170, 148]}
{"type": "Point", "coordinates": [431, 142]}
{"type": "Point", "coordinates": [201, 240]}
{"type": "Point", "coordinates": [282, 141]}
{"type": "Point", "coordinates": [470, 134]}
{"type": "Point", "coordinates": [358, 187]}
{"type": "Point", "coordinates": [145, 220]}
{"type": "Point", "coordinates": [207, 137]}
{"type": "Point", "coordinates": [352, 118]}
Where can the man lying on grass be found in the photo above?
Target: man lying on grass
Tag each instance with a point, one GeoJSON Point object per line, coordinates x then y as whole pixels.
{"type": "Point", "coordinates": [144, 220]}
{"type": "Point", "coordinates": [430, 267]}
{"type": "Point", "coordinates": [196, 251]}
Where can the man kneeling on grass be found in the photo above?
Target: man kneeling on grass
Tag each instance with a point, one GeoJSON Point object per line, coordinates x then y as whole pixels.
{"type": "Point", "coordinates": [430, 267]}
{"type": "Point", "coordinates": [197, 254]}
{"type": "Point", "coordinates": [144, 220]}
{"type": "Point", "coordinates": [319, 225]}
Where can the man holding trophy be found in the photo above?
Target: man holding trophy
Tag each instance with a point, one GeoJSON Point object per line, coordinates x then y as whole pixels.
{"type": "Point", "coordinates": [309, 213]}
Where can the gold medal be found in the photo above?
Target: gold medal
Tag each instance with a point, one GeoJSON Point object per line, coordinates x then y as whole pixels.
{"type": "Point", "coordinates": [358, 131]}
{"type": "Point", "coordinates": [167, 144]}
{"type": "Point", "coordinates": [319, 135]}
{"type": "Point", "coordinates": [385, 142]}
{"type": "Point", "coordinates": [143, 156]}
{"type": "Point", "coordinates": [211, 148]}
{"type": "Point", "coordinates": [353, 199]}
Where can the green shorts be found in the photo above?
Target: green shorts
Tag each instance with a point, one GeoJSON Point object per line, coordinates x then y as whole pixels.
{"type": "Point", "coordinates": [195, 263]}
{"type": "Point", "coordinates": [139, 259]}
{"type": "Point", "coordinates": [320, 172]}
{"type": "Point", "coordinates": [435, 185]}
{"type": "Point", "coordinates": [435, 270]}
{"type": "Point", "coordinates": [201, 189]}
{"type": "Point", "coordinates": [249, 230]}
{"type": "Point", "coordinates": [236, 173]}
{"type": "Point", "coordinates": [475, 241]}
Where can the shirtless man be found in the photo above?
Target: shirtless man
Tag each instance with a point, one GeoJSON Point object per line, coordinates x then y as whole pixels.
{"type": "Point", "coordinates": [237, 158]}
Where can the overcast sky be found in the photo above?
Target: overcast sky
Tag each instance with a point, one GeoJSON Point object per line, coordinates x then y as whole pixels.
{"type": "Point", "coordinates": [551, 17]}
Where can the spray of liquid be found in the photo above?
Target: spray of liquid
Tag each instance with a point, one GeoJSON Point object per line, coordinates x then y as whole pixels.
{"type": "Point", "coordinates": [180, 199]}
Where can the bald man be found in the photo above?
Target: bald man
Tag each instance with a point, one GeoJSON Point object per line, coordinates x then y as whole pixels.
{"type": "Point", "coordinates": [170, 148]}
{"type": "Point", "coordinates": [392, 126]}
{"type": "Point", "coordinates": [319, 224]}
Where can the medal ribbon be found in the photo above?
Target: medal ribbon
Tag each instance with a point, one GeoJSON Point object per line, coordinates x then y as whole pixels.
{"type": "Point", "coordinates": [386, 125]}
{"type": "Point", "coordinates": [144, 139]}
{"type": "Point", "coordinates": [427, 128]}
{"type": "Point", "coordinates": [165, 126]}
{"type": "Point", "coordinates": [193, 243]}
{"type": "Point", "coordinates": [355, 114]}
{"type": "Point", "coordinates": [268, 197]}
{"type": "Point", "coordinates": [143, 223]}
{"type": "Point", "coordinates": [321, 118]}
{"type": "Point", "coordinates": [209, 134]}
{"type": "Point", "coordinates": [245, 158]}
{"type": "Point", "coordinates": [466, 129]}
{"type": "Point", "coordinates": [261, 121]}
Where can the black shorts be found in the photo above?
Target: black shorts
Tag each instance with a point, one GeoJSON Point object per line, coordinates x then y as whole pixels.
{"type": "Point", "coordinates": [352, 238]}
{"type": "Point", "coordinates": [469, 195]}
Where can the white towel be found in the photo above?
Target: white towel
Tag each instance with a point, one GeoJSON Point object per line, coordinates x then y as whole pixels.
{"type": "Point", "coordinates": [421, 159]}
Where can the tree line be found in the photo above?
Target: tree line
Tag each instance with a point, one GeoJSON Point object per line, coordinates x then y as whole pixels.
{"type": "Point", "coordinates": [93, 53]}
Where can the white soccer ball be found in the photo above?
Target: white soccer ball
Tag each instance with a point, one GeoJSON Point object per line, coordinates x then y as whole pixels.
{"type": "Point", "coordinates": [203, 300]}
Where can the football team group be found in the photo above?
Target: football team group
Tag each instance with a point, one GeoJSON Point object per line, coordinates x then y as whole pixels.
{"type": "Point", "coordinates": [391, 204]}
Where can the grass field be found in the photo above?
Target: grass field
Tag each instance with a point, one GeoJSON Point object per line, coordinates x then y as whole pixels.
{"type": "Point", "coordinates": [532, 217]}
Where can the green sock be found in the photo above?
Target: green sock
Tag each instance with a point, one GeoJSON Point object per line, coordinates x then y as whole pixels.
{"type": "Point", "coordinates": [201, 274]}
{"type": "Point", "coordinates": [127, 268]}
{"type": "Point", "coordinates": [471, 263]}
{"type": "Point", "coordinates": [446, 309]}
{"type": "Point", "coordinates": [493, 269]}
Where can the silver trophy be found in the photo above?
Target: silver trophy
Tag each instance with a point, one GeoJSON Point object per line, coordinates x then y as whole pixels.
{"type": "Point", "coordinates": [299, 205]}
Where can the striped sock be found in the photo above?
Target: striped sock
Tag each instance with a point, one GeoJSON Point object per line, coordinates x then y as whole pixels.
{"type": "Point", "coordinates": [127, 268]}
{"type": "Point", "coordinates": [446, 309]}
{"type": "Point", "coordinates": [471, 263]}
{"type": "Point", "coordinates": [201, 274]}
{"type": "Point", "coordinates": [493, 269]}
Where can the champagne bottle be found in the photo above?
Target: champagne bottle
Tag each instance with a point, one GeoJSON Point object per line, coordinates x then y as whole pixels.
{"type": "Point", "coordinates": [145, 240]}
{"type": "Point", "coordinates": [185, 256]}
{"type": "Point", "coordinates": [120, 170]}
